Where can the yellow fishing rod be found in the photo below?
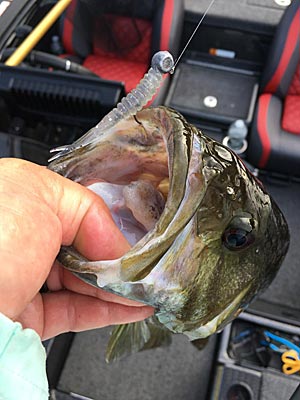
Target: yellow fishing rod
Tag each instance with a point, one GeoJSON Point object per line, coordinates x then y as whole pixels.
{"type": "Point", "coordinates": [39, 31]}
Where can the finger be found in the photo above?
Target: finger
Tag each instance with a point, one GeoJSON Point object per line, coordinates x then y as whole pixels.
{"type": "Point", "coordinates": [61, 278]}
{"type": "Point", "coordinates": [67, 311]}
{"type": "Point", "coordinates": [70, 209]}
{"type": "Point", "coordinates": [40, 210]}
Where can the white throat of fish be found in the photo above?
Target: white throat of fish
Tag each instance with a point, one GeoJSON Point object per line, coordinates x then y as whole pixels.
{"type": "Point", "coordinates": [136, 206]}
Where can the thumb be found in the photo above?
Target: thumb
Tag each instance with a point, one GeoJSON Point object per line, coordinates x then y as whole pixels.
{"type": "Point", "coordinates": [86, 221]}
{"type": "Point", "coordinates": [40, 211]}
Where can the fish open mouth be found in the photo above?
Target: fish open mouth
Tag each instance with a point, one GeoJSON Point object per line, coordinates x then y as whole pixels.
{"type": "Point", "coordinates": [136, 187]}
{"type": "Point", "coordinates": [135, 205]}
{"type": "Point", "coordinates": [147, 169]}
{"type": "Point", "coordinates": [129, 168]}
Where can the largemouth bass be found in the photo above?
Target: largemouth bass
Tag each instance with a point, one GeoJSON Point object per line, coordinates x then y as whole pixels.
{"type": "Point", "coordinates": [206, 236]}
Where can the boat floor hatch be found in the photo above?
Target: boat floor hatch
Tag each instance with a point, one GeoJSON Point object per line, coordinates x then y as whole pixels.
{"type": "Point", "coordinates": [213, 92]}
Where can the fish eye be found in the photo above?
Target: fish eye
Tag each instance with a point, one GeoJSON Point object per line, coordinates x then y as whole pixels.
{"type": "Point", "coordinates": [237, 238]}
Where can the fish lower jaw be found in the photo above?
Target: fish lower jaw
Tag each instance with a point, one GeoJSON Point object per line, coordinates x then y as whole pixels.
{"type": "Point", "coordinates": [208, 329]}
{"type": "Point", "coordinates": [204, 331]}
{"type": "Point", "coordinates": [198, 333]}
{"type": "Point", "coordinates": [218, 322]}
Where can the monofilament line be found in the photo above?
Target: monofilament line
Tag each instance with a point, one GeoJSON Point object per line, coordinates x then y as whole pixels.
{"type": "Point", "coordinates": [193, 34]}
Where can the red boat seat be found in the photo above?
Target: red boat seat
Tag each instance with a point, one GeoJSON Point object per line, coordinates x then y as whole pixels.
{"type": "Point", "coordinates": [117, 38]}
{"type": "Point", "coordinates": [274, 142]}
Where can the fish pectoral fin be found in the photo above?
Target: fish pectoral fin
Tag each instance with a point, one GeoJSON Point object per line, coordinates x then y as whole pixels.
{"type": "Point", "coordinates": [200, 343]}
{"type": "Point", "coordinates": [136, 336]}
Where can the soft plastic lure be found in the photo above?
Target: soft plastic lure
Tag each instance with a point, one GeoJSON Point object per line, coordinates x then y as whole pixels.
{"type": "Point", "coordinates": [162, 63]}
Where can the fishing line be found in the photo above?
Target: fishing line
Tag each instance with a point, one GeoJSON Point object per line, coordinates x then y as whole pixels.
{"type": "Point", "coordinates": [162, 63]}
{"type": "Point", "coordinates": [193, 34]}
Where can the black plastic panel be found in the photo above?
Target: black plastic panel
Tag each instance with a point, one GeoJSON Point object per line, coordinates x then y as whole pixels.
{"type": "Point", "coordinates": [58, 96]}
{"type": "Point", "coordinates": [234, 92]}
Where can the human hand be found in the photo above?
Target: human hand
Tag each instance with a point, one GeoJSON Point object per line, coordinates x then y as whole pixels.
{"type": "Point", "coordinates": [39, 212]}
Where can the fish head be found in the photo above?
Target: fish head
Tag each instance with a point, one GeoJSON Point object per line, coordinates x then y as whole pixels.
{"type": "Point", "coordinates": [219, 240]}
{"type": "Point", "coordinates": [241, 238]}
